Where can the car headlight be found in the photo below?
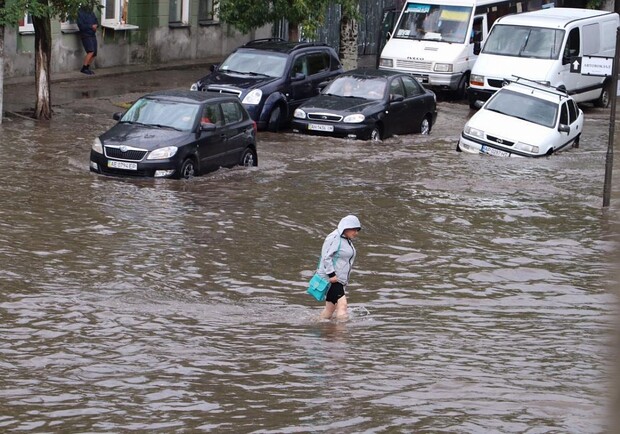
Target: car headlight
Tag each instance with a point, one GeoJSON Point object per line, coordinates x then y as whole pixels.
{"type": "Point", "coordinates": [97, 146]}
{"type": "Point", "coordinates": [474, 132]}
{"type": "Point", "coordinates": [527, 148]}
{"type": "Point", "coordinates": [194, 86]}
{"type": "Point", "coordinates": [253, 97]}
{"type": "Point", "coordinates": [443, 67]}
{"type": "Point", "coordinates": [388, 63]}
{"type": "Point", "coordinates": [354, 119]}
{"type": "Point", "coordinates": [476, 80]}
{"type": "Point", "coordinates": [299, 114]}
{"type": "Point", "coordinates": [162, 153]}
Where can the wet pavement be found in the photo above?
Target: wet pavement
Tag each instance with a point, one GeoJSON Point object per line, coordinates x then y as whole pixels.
{"type": "Point", "coordinates": [481, 301]}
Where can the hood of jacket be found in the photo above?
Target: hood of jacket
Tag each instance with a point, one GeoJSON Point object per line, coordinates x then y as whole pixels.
{"type": "Point", "coordinates": [348, 222]}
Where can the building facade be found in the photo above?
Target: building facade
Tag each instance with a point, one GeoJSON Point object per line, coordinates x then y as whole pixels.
{"type": "Point", "coordinates": [132, 32]}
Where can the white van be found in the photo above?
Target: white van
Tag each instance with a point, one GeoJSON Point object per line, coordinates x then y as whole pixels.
{"type": "Point", "coordinates": [437, 41]}
{"type": "Point", "coordinates": [540, 46]}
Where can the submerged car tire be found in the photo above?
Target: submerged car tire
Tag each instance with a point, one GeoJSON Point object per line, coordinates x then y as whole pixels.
{"type": "Point", "coordinates": [188, 169]}
{"type": "Point", "coordinates": [375, 134]}
{"type": "Point", "coordinates": [425, 126]}
{"type": "Point", "coordinates": [248, 158]}
{"type": "Point", "coordinates": [275, 119]}
{"type": "Point", "coordinates": [603, 100]}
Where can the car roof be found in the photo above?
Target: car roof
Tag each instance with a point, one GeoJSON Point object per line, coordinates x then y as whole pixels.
{"type": "Point", "coordinates": [538, 90]}
{"type": "Point", "coordinates": [280, 45]}
{"type": "Point", "coordinates": [371, 73]}
{"type": "Point", "coordinates": [553, 18]}
{"type": "Point", "coordinates": [190, 96]}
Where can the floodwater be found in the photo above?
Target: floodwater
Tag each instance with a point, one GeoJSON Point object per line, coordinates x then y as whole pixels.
{"type": "Point", "coordinates": [480, 301]}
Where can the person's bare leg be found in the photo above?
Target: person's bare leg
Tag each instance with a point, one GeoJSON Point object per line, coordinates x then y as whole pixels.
{"type": "Point", "coordinates": [341, 308]}
{"type": "Point", "coordinates": [88, 58]}
{"type": "Point", "coordinates": [329, 310]}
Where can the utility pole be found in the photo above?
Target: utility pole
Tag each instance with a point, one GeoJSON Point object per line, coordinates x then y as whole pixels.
{"type": "Point", "coordinates": [609, 160]}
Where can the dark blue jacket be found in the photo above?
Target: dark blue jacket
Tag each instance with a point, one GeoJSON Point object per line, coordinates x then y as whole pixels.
{"type": "Point", "coordinates": [85, 20]}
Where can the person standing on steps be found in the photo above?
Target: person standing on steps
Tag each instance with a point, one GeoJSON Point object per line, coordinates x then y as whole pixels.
{"type": "Point", "coordinates": [87, 23]}
{"type": "Point", "coordinates": [337, 257]}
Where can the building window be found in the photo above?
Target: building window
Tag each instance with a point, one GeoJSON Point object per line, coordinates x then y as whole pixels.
{"type": "Point", "coordinates": [69, 26]}
{"type": "Point", "coordinates": [114, 12]}
{"type": "Point", "coordinates": [207, 11]}
{"type": "Point", "coordinates": [179, 12]}
{"type": "Point", "coordinates": [25, 25]}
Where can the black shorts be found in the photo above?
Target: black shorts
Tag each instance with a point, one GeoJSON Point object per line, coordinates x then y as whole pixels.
{"type": "Point", "coordinates": [336, 290]}
{"type": "Point", "coordinates": [90, 44]}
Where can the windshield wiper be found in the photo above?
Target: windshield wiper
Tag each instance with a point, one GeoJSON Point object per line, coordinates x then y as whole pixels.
{"type": "Point", "coordinates": [256, 74]}
{"type": "Point", "coordinates": [133, 122]}
{"type": "Point", "coordinates": [165, 126]}
{"type": "Point", "coordinates": [234, 72]}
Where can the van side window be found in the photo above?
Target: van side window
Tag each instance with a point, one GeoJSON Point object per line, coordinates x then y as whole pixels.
{"type": "Point", "coordinates": [572, 44]}
{"type": "Point", "coordinates": [573, 111]}
{"type": "Point", "coordinates": [564, 115]}
{"type": "Point", "coordinates": [591, 39]}
{"type": "Point", "coordinates": [318, 62]}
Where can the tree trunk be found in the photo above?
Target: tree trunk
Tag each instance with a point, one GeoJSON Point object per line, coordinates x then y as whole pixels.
{"type": "Point", "coordinates": [42, 55]}
{"type": "Point", "coordinates": [1, 69]}
{"type": "Point", "coordinates": [293, 32]}
{"type": "Point", "coordinates": [348, 43]}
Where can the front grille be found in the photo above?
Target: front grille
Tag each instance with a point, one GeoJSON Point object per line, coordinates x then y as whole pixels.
{"type": "Point", "coordinates": [499, 141]}
{"type": "Point", "coordinates": [131, 154]}
{"type": "Point", "coordinates": [327, 117]}
{"type": "Point", "coordinates": [415, 65]}
{"type": "Point", "coordinates": [137, 173]}
{"type": "Point", "coordinates": [224, 90]}
{"type": "Point", "coordinates": [495, 83]}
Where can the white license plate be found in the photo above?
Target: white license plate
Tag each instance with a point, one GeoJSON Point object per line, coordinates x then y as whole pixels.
{"type": "Point", "coordinates": [493, 151]}
{"type": "Point", "coordinates": [122, 165]}
{"type": "Point", "coordinates": [421, 79]}
{"type": "Point", "coordinates": [319, 127]}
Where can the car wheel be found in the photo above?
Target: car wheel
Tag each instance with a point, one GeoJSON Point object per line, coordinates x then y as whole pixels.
{"type": "Point", "coordinates": [461, 90]}
{"type": "Point", "coordinates": [275, 119]}
{"type": "Point", "coordinates": [248, 159]}
{"type": "Point", "coordinates": [603, 100]}
{"type": "Point", "coordinates": [375, 135]}
{"type": "Point", "coordinates": [187, 169]}
{"type": "Point", "coordinates": [425, 126]}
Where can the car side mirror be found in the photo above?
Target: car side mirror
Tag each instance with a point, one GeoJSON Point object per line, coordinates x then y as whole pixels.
{"type": "Point", "coordinates": [299, 76]}
{"type": "Point", "coordinates": [478, 104]}
{"type": "Point", "coordinates": [213, 67]}
{"type": "Point", "coordinates": [117, 116]}
{"type": "Point", "coordinates": [207, 126]}
{"type": "Point", "coordinates": [564, 128]}
{"type": "Point", "coordinates": [477, 47]}
{"type": "Point", "coordinates": [396, 98]}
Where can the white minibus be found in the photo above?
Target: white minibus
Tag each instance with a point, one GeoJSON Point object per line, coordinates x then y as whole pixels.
{"type": "Point", "coordinates": [437, 41]}
{"type": "Point", "coordinates": [541, 46]}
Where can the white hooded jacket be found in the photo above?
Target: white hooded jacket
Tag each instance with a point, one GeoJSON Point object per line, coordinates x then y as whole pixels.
{"type": "Point", "coordinates": [338, 252]}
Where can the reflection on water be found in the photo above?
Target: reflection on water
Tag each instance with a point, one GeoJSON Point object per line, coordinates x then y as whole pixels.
{"type": "Point", "coordinates": [479, 299]}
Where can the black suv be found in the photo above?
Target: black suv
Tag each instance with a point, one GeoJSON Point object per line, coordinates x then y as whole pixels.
{"type": "Point", "coordinates": [273, 77]}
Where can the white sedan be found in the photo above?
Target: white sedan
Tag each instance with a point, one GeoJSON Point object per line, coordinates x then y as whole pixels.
{"type": "Point", "coordinates": [523, 119]}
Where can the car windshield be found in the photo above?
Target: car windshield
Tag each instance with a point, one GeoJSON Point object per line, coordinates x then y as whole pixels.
{"type": "Point", "coordinates": [435, 22]}
{"type": "Point", "coordinates": [520, 41]}
{"type": "Point", "coordinates": [254, 63]}
{"type": "Point", "coordinates": [357, 87]}
{"type": "Point", "coordinates": [163, 114]}
{"type": "Point", "coordinates": [526, 107]}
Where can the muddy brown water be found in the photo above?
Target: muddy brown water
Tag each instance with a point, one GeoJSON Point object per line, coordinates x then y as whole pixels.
{"type": "Point", "coordinates": [480, 300]}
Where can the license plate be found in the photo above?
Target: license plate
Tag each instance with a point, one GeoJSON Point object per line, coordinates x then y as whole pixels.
{"type": "Point", "coordinates": [421, 79]}
{"type": "Point", "coordinates": [122, 165]}
{"type": "Point", "coordinates": [493, 151]}
{"type": "Point", "coordinates": [319, 127]}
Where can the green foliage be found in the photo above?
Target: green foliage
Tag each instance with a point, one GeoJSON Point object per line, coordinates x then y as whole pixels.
{"type": "Point", "coordinates": [594, 4]}
{"type": "Point", "coordinates": [15, 10]}
{"type": "Point", "coordinates": [246, 15]}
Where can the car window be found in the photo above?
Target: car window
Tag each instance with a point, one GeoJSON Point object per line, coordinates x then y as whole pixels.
{"type": "Point", "coordinates": [300, 66]}
{"type": "Point", "coordinates": [318, 62]}
{"type": "Point", "coordinates": [524, 106]}
{"type": "Point", "coordinates": [572, 45]}
{"type": "Point", "coordinates": [412, 87]}
{"type": "Point", "coordinates": [212, 115]}
{"type": "Point", "coordinates": [564, 115]}
{"type": "Point", "coordinates": [396, 87]}
{"type": "Point", "coordinates": [573, 111]}
{"type": "Point", "coordinates": [254, 62]}
{"type": "Point", "coordinates": [151, 111]}
{"type": "Point", "coordinates": [359, 87]}
{"type": "Point", "coordinates": [232, 112]}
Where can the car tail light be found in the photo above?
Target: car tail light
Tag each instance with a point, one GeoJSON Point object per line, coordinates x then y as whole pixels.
{"type": "Point", "coordinates": [254, 127]}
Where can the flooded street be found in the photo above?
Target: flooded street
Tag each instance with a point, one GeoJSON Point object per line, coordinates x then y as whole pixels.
{"type": "Point", "coordinates": [480, 300]}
